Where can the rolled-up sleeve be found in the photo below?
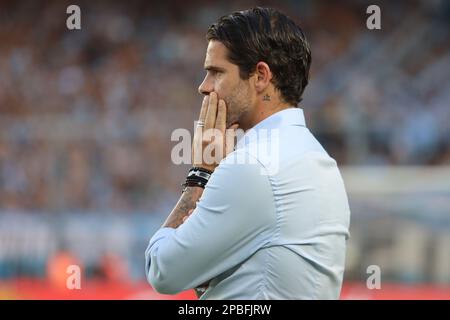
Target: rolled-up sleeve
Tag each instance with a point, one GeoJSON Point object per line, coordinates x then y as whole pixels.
{"type": "Point", "coordinates": [234, 218]}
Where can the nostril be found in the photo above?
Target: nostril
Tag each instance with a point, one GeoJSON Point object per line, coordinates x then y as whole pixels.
{"type": "Point", "coordinates": [202, 91]}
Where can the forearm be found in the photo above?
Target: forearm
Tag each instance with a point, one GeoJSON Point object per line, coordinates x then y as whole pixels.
{"type": "Point", "coordinates": [187, 202]}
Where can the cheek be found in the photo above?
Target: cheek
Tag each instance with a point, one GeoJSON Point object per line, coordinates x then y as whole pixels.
{"type": "Point", "coordinates": [220, 87]}
{"type": "Point", "coordinates": [228, 88]}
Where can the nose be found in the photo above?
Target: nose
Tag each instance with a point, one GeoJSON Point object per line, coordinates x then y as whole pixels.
{"type": "Point", "coordinates": [206, 87]}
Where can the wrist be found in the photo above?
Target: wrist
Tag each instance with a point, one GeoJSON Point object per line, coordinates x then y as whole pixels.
{"type": "Point", "coordinates": [205, 166]}
{"type": "Point", "coordinates": [197, 177]}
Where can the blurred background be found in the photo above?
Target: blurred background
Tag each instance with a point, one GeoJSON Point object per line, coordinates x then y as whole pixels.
{"type": "Point", "coordinates": [86, 118]}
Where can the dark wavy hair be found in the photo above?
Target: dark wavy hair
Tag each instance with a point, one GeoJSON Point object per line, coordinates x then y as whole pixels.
{"type": "Point", "coordinates": [265, 34]}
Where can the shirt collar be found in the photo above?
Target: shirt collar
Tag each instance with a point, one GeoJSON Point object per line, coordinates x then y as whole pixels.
{"type": "Point", "coordinates": [287, 117]}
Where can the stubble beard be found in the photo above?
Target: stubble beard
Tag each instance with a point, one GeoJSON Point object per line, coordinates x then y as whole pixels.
{"type": "Point", "coordinates": [238, 105]}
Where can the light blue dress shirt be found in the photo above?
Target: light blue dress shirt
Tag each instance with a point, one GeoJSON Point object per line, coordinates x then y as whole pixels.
{"type": "Point", "coordinates": [272, 222]}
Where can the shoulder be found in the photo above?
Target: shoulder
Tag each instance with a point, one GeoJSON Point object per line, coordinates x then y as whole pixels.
{"type": "Point", "coordinates": [273, 149]}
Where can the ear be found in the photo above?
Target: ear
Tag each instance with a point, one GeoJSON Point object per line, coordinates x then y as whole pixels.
{"type": "Point", "coordinates": [263, 76]}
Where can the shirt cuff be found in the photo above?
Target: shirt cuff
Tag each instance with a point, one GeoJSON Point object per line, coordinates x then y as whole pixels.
{"type": "Point", "coordinates": [161, 234]}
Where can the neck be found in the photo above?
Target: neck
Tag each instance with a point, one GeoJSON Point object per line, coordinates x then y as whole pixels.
{"type": "Point", "coordinates": [262, 111]}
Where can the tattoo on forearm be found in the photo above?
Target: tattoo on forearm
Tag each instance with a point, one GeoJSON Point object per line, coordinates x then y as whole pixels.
{"type": "Point", "coordinates": [187, 202]}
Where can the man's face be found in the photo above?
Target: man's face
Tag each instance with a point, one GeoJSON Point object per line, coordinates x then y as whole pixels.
{"type": "Point", "coordinates": [222, 77]}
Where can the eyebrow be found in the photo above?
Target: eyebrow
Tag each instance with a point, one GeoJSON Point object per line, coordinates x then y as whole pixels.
{"type": "Point", "coordinates": [214, 68]}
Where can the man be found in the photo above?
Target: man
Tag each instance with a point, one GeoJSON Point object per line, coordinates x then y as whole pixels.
{"type": "Point", "coordinates": [255, 232]}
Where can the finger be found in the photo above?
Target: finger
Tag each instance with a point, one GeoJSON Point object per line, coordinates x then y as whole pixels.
{"type": "Point", "coordinates": [212, 111]}
{"type": "Point", "coordinates": [204, 108]}
{"type": "Point", "coordinates": [221, 120]}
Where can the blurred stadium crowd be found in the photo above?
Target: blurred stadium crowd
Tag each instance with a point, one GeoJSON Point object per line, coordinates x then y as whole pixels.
{"type": "Point", "coordinates": [86, 116]}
